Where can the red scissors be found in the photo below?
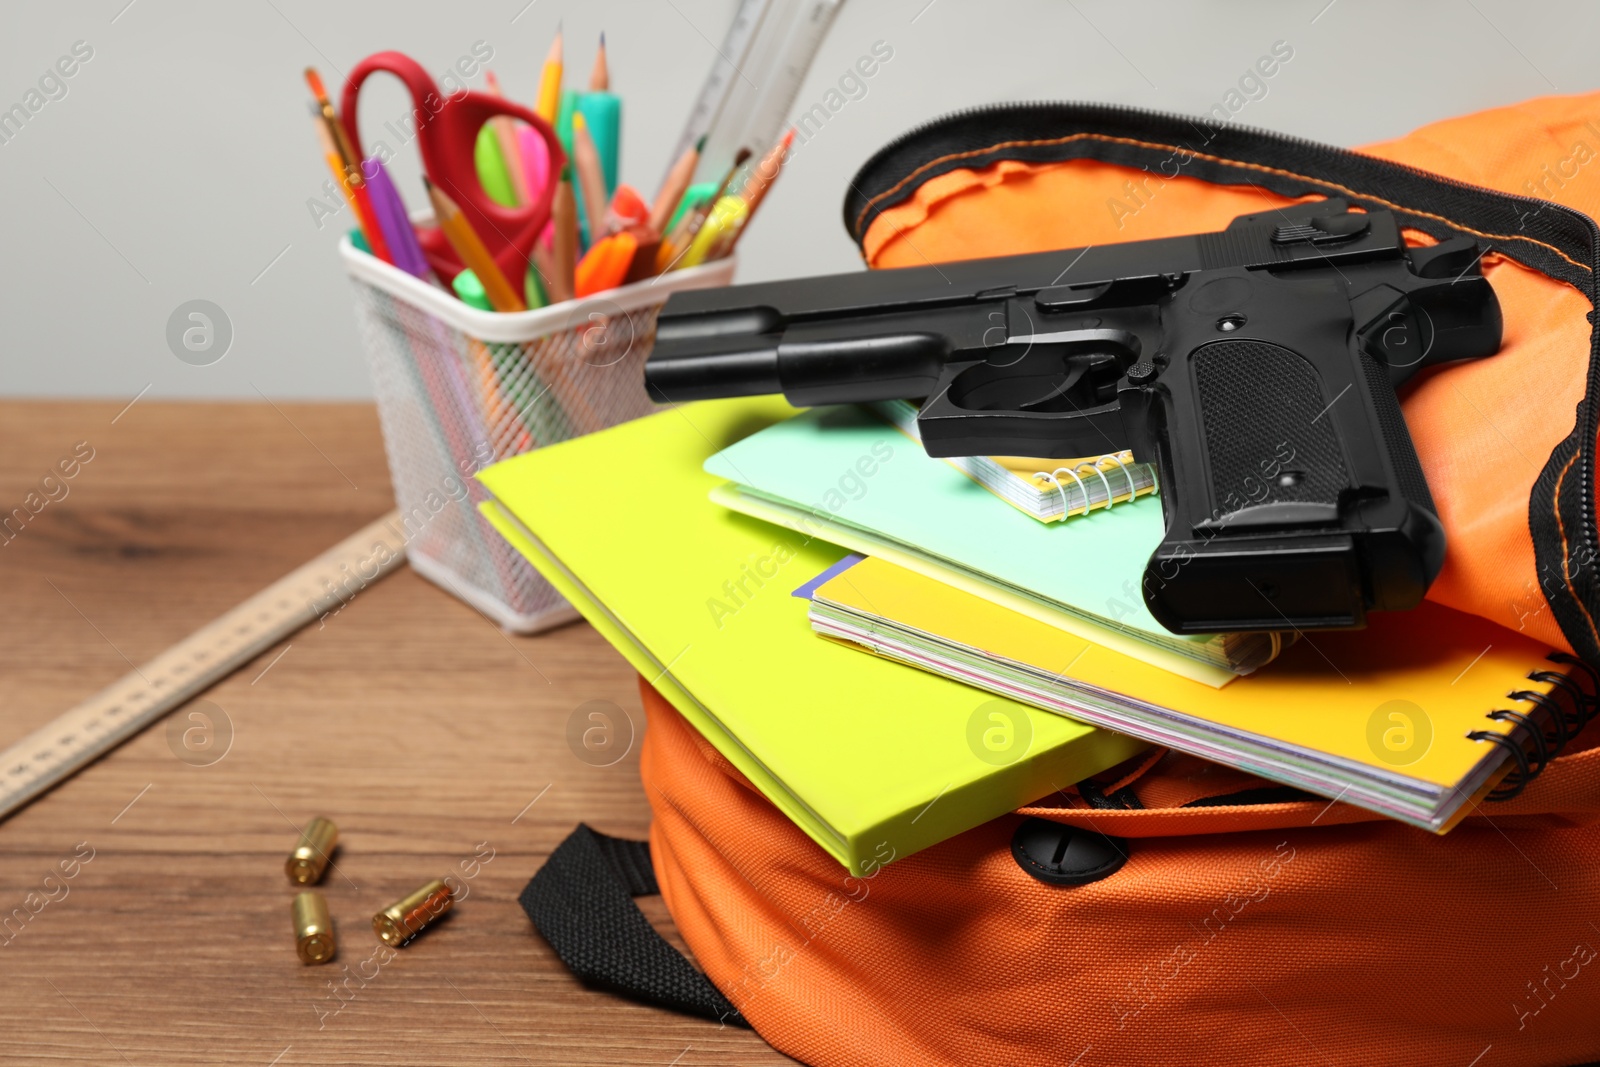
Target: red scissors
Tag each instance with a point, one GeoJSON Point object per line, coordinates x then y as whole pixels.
{"type": "Point", "coordinates": [447, 133]}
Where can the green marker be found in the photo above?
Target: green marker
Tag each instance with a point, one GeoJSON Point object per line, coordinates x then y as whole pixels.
{"type": "Point", "coordinates": [692, 196]}
{"type": "Point", "coordinates": [470, 290]}
{"type": "Point", "coordinates": [603, 112]}
{"type": "Point", "coordinates": [564, 110]}
{"type": "Point", "coordinates": [569, 105]}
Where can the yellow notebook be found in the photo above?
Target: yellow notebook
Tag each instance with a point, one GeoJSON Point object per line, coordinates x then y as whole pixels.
{"type": "Point", "coordinates": [870, 758]}
{"type": "Point", "coordinates": [1393, 718]}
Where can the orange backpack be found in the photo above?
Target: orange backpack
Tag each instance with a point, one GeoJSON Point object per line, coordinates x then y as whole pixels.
{"type": "Point", "coordinates": [1176, 911]}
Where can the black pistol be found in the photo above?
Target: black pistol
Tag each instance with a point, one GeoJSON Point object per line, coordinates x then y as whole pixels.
{"type": "Point", "coordinates": [1256, 367]}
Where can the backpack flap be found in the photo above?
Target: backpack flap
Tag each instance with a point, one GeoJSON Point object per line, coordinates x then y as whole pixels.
{"type": "Point", "coordinates": [1507, 443]}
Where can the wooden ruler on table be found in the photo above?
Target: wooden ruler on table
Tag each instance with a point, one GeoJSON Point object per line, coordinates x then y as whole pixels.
{"type": "Point", "coordinates": [88, 731]}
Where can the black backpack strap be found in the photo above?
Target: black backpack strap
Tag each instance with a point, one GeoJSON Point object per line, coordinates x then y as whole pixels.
{"type": "Point", "coordinates": [1556, 241]}
{"type": "Point", "coordinates": [581, 902]}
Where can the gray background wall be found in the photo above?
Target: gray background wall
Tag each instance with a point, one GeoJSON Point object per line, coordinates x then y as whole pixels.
{"type": "Point", "coordinates": [179, 161]}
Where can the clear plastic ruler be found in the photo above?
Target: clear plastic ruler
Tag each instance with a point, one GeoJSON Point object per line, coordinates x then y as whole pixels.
{"type": "Point", "coordinates": [747, 98]}
{"type": "Point", "coordinates": [49, 755]}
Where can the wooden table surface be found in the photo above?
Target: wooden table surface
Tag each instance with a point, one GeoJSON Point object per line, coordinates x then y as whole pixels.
{"type": "Point", "coordinates": [408, 719]}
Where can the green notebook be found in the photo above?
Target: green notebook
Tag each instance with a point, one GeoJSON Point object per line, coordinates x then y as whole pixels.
{"type": "Point", "coordinates": [869, 757]}
{"type": "Point", "coordinates": [920, 513]}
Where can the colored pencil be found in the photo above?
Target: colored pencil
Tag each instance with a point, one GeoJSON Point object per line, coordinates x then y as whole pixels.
{"type": "Point", "coordinates": [564, 246]}
{"type": "Point", "coordinates": [505, 128]}
{"type": "Point", "coordinates": [330, 154]}
{"type": "Point", "coordinates": [683, 234]}
{"type": "Point", "coordinates": [459, 232]}
{"type": "Point", "coordinates": [366, 218]}
{"type": "Point", "coordinates": [766, 172]}
{"type": "Point", "coordinates": [754, 193]}
{"type": "Point", "coordinates": [549, 99]}
{"type": "Point", "coordinates": [586, 161]}
{"type": "Point", "coordinates": [600, 75]}
{"type": "Point", "coordinates": [673, 188]}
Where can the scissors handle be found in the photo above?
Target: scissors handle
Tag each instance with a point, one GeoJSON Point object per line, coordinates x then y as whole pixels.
{"type": "Point", "coordinates": [447, 135]}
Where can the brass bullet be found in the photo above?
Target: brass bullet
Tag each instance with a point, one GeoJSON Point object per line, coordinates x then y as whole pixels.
{"type": "Point", "coordinates": [313, 929]}
{"type": "Point", "coordinates": [406, 917]}
{"type": "Point", "coordinates": [310, 856]}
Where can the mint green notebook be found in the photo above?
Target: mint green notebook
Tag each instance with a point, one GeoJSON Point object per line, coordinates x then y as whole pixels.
{"type": "Point", "coordinates": [822, 470]}
{"type": "Point", "coordinates": [868, 757]}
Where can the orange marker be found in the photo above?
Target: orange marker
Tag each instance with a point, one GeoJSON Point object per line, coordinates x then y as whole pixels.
{"type": "Point", "coordinates": [627, 209]}
{"type": "Point", "coordinates": [606, 264]}
{"type": "Point", "coordinates": [459, 232]}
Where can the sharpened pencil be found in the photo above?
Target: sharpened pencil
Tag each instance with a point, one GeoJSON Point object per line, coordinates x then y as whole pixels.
{"type": "Point", "coordinates": [549, 99]}
{"type": "Point", "coordinates": [465, 240]}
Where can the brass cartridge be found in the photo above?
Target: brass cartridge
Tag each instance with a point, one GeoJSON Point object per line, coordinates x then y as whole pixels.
{"type": "Point", "coordinates": [313, 929]}
{"type": "Point", "coordinates": [406, 917]}
{"type": "Point", "coordinates": [310, 856]}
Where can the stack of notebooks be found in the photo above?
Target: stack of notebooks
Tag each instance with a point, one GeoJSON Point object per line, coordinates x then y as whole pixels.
{"type": "Point", "coordinates": [922, 596]}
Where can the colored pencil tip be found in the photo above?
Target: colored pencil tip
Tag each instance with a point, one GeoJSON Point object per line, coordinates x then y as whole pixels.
{"type": "Point", "coordinates": [314, 80]}
{"type": "Point", "coordinates": [700, 145]}
{"type": "Point", "coordinates": [788, 137]}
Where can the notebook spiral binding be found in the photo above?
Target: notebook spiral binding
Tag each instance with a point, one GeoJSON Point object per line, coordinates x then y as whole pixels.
{"type": "Point", "coordinates": [1053, 480]}
{"type": "Point", "coordinates": [1546, 738]}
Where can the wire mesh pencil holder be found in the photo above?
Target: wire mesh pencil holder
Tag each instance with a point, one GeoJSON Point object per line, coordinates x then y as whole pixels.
{"type": "Point", "coordinates": [459, 389]}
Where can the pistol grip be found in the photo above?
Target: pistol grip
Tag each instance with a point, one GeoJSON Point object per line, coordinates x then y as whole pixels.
{"type": "Point", "coordinates": [1280, 463]}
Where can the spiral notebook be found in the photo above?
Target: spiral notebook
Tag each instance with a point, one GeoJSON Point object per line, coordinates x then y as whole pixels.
{"type": "Point", "coordinates": [1415, 717]}
{"type": "Point", "coordinates": [842, 475]}
{"type": "Point", "coordinates": [1050, 490]}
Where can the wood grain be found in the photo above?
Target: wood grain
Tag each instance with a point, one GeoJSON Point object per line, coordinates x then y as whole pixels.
{"type": "Point", "coordinates": [408, 719]}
